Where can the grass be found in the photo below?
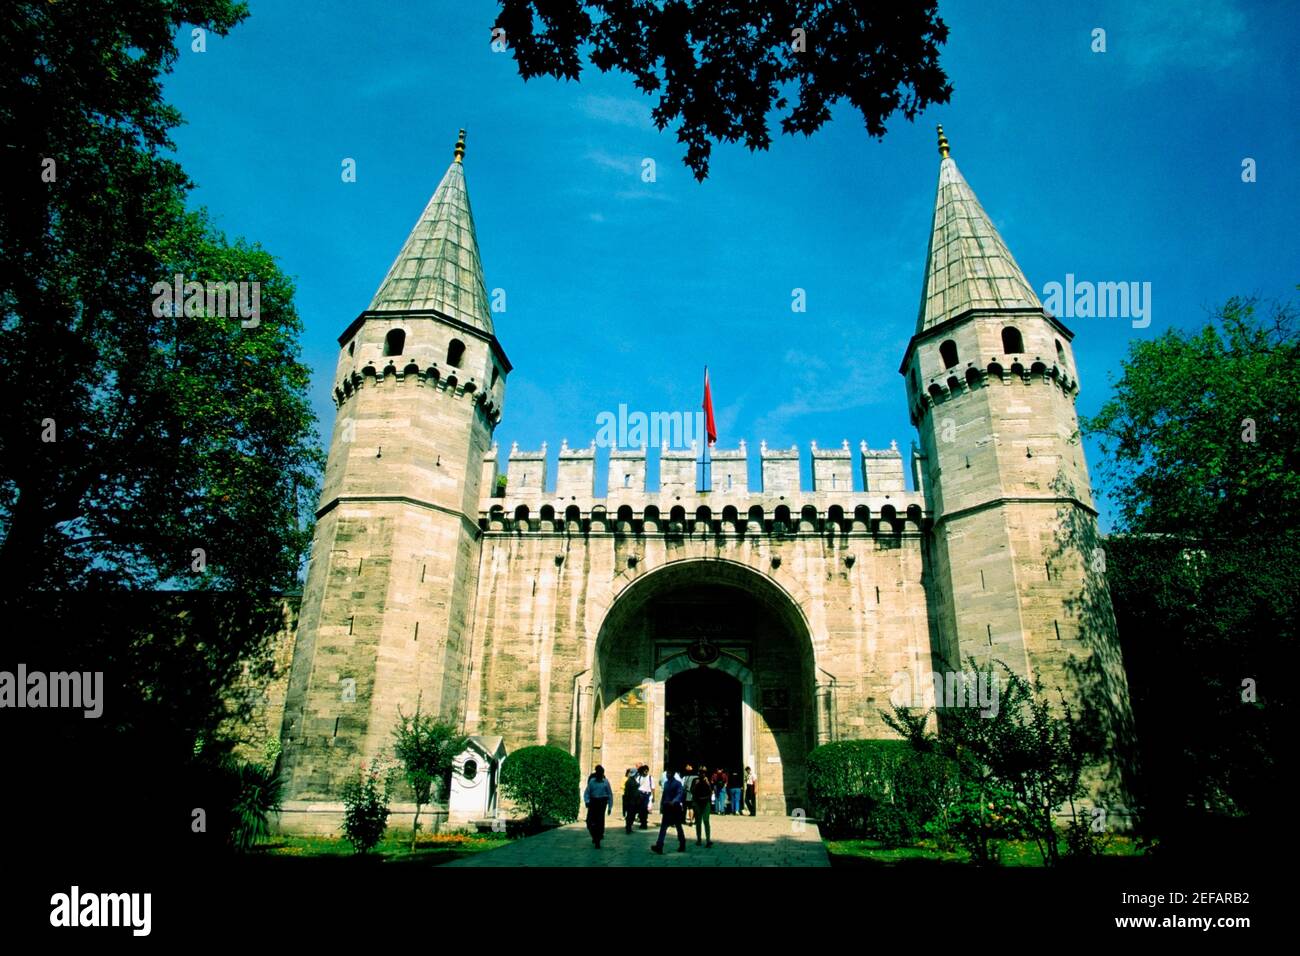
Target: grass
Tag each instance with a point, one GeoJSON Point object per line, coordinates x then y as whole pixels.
{"type": "Point", "coordinates": [430, 849]}
{"type": "Point", "coordinates": [1015, 853]}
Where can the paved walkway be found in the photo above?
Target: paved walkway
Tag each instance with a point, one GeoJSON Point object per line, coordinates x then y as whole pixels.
{"type": "Point", "coordinates": [737, 841]}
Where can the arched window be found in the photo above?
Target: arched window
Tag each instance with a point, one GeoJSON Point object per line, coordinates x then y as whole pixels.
{"type": "Point", "coordinates": [948, 352]}
{"type": "Point", "coordinates": [455, 352]}
{"type": "Point", "coordinates": [352, 347]}
{"type": "Point", "coordinates": [1060, 352]}
{"type": "Point", "coordinates": [495, 373]}
{"type": "Point", "coordinates": [394, 342]}
{"type": "Point", "coordinates": [1012, 343]}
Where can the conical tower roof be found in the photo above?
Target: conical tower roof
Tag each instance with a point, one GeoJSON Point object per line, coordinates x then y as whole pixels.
{"type": "Point", "coordinates": [968, 266]}
{"type": "Point", "coordinates": [439, 266]}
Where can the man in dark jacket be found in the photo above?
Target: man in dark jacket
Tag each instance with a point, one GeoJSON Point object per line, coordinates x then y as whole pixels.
{"type": "Point", "coordinates": [632, 802]}
{"type": "Point", "coordinates": [599, 799]}
{"type": "Point", "coordinates": [673, 810]}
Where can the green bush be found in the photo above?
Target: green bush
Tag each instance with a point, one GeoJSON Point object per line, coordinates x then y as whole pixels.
{"type": "Point", "coordinates": [365, 809]}
{"type": "Point", "coordinates": [1015, 766]}
{"type": "Point", "coordinates": [257, 796]}
{"type": "Point", "coordinates": [546, 781]}
{"type": "Point", "coordinates": [878, 789]}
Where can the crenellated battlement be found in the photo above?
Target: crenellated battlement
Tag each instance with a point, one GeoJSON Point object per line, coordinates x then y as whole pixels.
{"type": "Point", "coordinates": [680, 469]}
{"type": "Point", "coordinates": [943, 389]}
{"type": "Point", "coordinates": [680, 507]}
{"type": "Point", "coordinates": [451, 382]}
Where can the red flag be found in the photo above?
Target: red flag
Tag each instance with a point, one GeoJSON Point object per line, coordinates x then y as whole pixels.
{"type": "Point", "coordinates": [709, 427]}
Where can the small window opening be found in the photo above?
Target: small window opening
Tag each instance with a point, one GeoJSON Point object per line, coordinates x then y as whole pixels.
{"type": "Point", "coordinates": [455, 352]}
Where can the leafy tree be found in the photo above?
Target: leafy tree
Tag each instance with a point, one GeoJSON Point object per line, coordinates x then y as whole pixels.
{"type": "Point", "coordinates": [546, 781]}
{"type": "Point", "coordinates": [1018, 764]}
{"type": "Point", "coordinates": [143, 451]}
{"type": "Point", "coordinates": [1201, 455]}
{"type": "Point", "coordinates": [426, 748]}
{"type": "Point", "coordinates": [720, 68]}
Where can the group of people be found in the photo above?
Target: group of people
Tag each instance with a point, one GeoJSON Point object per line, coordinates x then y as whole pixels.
{"type": "Point", "coordinates": [685, 799]}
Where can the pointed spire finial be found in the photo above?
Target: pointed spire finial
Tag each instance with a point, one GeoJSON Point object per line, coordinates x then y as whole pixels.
{"type": "Point", "coordinates": [460, 147]}
{"type": "Point", "coordinates": [943, 143]}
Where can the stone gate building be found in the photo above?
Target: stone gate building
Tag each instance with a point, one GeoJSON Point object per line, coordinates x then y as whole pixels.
{"type": "Point", "coordinates": [735, 626]}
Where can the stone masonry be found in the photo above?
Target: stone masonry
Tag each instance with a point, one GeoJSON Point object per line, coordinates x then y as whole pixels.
{"type": "Point", "coordinates": [560, 613]}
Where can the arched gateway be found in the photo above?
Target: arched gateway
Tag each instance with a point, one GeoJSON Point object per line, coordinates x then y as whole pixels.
{"type": "Point", "coordinates": [695, 618]}
{"type": "Point", "coordinates": [707, 662]}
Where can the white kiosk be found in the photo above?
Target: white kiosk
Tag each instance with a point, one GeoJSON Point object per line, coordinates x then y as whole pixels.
{"type": "Point", "coordinates": [474, 780]}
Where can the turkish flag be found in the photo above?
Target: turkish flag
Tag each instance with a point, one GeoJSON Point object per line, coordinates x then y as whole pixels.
{"type": "Point", "coordinates": [709, 427]}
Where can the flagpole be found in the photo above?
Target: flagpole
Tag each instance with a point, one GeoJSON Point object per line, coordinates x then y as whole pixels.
{"type": "Point", "coordinates": [706, 483]}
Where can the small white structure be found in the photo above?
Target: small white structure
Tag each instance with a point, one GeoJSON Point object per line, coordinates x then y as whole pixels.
{"type": "Point", "coordinates": [474, 780]}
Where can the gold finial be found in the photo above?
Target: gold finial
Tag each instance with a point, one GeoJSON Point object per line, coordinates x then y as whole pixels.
{"type": "Point", "coordinates": [460, 148]}
{"type": "Point", "coordinates": [943, 144]}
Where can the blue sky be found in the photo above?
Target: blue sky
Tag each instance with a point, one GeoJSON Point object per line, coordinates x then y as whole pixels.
{"type": "Point", "coordinates": [1116, 166]}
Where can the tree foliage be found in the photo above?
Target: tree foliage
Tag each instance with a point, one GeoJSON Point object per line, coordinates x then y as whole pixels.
{"type": "Point", "coordinates": [1201, 443]}
{"type": "Point", "coordinates": [155, 465]}
{"type": "Point", "coordinates": [720, 69]}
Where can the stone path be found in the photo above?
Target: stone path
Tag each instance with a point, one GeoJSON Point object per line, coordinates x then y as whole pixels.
{"type": "Point", "coordinates": [737, 841]}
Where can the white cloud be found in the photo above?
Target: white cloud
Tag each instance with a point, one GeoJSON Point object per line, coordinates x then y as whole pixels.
{"type": "Point", "coordinates": [815, 390]}
{"type": "Point", "coordinates": [620, 164]}
{"type": "Point", "coordinates": [1156, 38]}
{"type": "Point", "coordinates": [618, 110]}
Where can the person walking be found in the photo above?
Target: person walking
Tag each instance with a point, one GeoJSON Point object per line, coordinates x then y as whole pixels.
{"type": "Point", "coordinates": [631, 798]}
{"type": "Point", "coordinates": [645, 784]}
{"type": "Point", "coordinates": [702, 797]}
{"type": "Point", "coordinates": [672, 812]}
{"type": "Point", "coordinates": [734, 791]}
{"type": "Point", "coordinates": [688, 779]}
{"type": "Point", "coordinates": [599, 799]}
{"type": "Point", "coordinates": [751, 794]}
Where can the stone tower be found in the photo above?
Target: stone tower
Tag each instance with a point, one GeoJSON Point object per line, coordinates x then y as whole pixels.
{"type": "Point", "coordinates": [1015, 567]}
{"type": "Point", "coordinates": [387, 607]}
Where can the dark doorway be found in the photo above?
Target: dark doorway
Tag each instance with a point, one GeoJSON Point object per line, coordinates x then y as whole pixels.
{"type": "Point", "coordinates": [702, 720]}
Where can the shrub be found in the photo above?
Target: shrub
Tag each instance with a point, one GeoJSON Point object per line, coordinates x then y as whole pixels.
{"type": "Point", "coordinates": [546, 781]}
{"type": "Point", "coordinates": [257, 796]}
{"type": "Point", "coordinates": [365, 809]}
{"type": "Point", "coordinates": [1017, 765]}
{"type": "Point", "coordinates": [882, 789]}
